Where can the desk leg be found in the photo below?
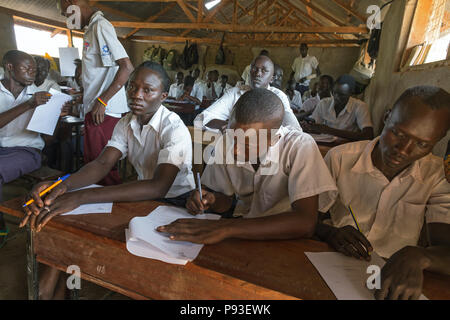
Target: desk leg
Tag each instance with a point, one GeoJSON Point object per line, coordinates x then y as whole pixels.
{"type": "Point", "coordinates": [32, 271]}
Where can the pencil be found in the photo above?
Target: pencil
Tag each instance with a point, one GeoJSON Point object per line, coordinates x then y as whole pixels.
{"type": "Point", "coordinates": [199, 187]}
{"type": "Point", "coordinates": [353, 216]}
{"type": "Point", "coordinates": [48, 189]}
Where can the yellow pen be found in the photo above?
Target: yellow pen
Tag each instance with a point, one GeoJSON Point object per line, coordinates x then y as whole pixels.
{"type": "Point", "coordinates": [48, 189]}
{"type": "Point", "coordinates": [356, 222]}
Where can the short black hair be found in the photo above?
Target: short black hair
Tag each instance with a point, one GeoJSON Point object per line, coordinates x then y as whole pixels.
{"type": "Point", "coordinates": [13, 56]}
{"type": "Point", "coordinates": [264, 52]}
{"type": "Point", "coordinates": [347, 79]}
{"type": "Point", "coordinates": [224, 76]}
{"type": "Point", "coordinates": [328, 78]}
{"type": "Point", "coordinates": [189, 81]}
{"type": "Point", "coordinates": [258, 105]}
{"type": "Point", "coordinates": [154, 66]}
{"type": "Point", "coordinates": [303, 45]}
{"type": "Point", "coordinates": [435, 97]}
{"type": "Point", "coordinates": [39, 58]}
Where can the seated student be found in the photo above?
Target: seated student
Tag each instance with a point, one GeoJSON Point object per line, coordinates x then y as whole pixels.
{"type": "Point", "coordinates": [277, 191]}
{"type": "Point", "coordinates": [324, 87]}
{"type": "Point", "coordinates": [20, 149]}
{"type": "Point", "coordinates": [190, 94]}
{"type": "Point", "coordinates": [394, 186]}
{"type": "Point", "coordinates": [42, 81]}
{"type": "Point", "coordinates": [246, 73]}
{"type": "Point", "coordinates": [217, 115]}
{"type": "Point", "coordinates": [224, 86]}
{"type": "Point", "coordinates": [176, 89]}
{"type": "Point", "coordinates": [342, 115]}
{"type": "Point", "coordinates": [294, 96]}
{"type": "Point", "coordinates": [277, 79]}
{"type": "Point", "coordinates": [311, 93]}
{"type": "Point", "coordinates": [212, 87]}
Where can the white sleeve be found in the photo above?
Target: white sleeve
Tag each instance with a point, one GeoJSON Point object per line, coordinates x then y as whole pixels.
{"type": "Point", "coordinates": [289, 118]}
{"type": "Point", "coordinates": [316, 115]}
{"type": "Point", "coordinates": [221, 109]}
{"type": "Point", "coordinates": [327, 199]}
{"type": "Point", "coordinates": [438, 205]}
{"type": "Point", "coordinates": [111, 49]}
{"type": "Point", "coordinates": [314, 63]}
{"type": "Point", "coordinates": [216, 178]}
{"type": "Point", "coordinates": [119, 137]}
{"type": "Point", "coordinates": [176, 146]}
{"type": "Point", "coordinates": [362, 114]}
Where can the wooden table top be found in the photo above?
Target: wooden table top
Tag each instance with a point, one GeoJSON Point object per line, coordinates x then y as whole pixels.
{"type": "Point", "coordinates": [280, 266]}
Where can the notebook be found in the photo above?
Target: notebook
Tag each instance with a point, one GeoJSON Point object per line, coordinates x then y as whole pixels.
{"type": "Point", "coordinates": [144, 241]}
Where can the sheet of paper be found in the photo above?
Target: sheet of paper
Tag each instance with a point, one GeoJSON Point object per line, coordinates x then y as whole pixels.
{"type": "Point", "coordinates": [323, 137]}
{"type": "Point", "coordinates": [143, 228]}
{"type": "Point", "coordinates": [346, 276]}
{"type": "Point", "coordinates": [45, 117]}
{"type": "Point", "coordinates": [67, 58]}
{"type": "Point", "coordinates": [91, 207]}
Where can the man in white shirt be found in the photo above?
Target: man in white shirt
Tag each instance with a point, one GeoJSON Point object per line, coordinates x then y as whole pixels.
{"type": "Point", "coordinates": [20, 149]}
{"type": "Point", "coordinates": [277, 79]}
{"type": "Point", "coordinates": [324, 87]}
{"type": "Point", "coordinates": [394, 186]}
{"type": "Point", "coordinates": [304, 68]}
{"type": "Point", "coordinates": [192, 93]}
{"type": "Point", "coordinates": [42, 82]}
{"type": "Point", "coordinates": [342, 115]}
{"type": "Point", "coordinates": [106, 68]}
{"type": "Point", "coordinates": [217, 115]}
{"type": "Point", "coordinates": [276, 179]}
{"type": "Point", "coordinates": [224, 85]}
{"type": "Point", "coordinates": [212, 87]}
{"type": "Point", "coordinates": [176, 89]}
{"type": "Point", "coordinates": [246, 73]}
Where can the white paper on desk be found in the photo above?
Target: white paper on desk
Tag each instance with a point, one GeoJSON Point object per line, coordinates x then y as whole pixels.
{"type": "Point", "coordinates": [143, 239]}
{"type": "Point", "coordinates": [323, 137]}
{"type": "Point", "coordinates": [67, 57]}
{"type": "Point", "coordinates": [346, 276]}
{"type": "Point", "coordinates": [45, 117]}
{"type": "Point", "coordinates": [91, 207]}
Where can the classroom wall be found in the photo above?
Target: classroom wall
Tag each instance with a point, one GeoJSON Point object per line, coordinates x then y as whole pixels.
{"type": "Point", "coordinates": [333, 61]}
{"type": "Point", "coordinates": [388, 84]}
{"type": "Point", "coordinates": [7, 36]}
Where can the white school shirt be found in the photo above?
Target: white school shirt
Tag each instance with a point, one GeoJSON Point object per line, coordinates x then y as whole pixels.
{"type": "Point", "coordinates": [246, 75]}
{"type": "Point", "coordinates": [221, 109]}
{"type": "Point", "coordinates": [354, 116]}
{"type": "Point", "coordinates": [296, 102]}
{"type": "Point", "coordinates": [165, 139]}
{"type": "Point", "coordinates": [101, 51]}
{"type": "Point", "coordinates": [208, 91]}
{"type": "Point", "coordinates": [389, 213]}
{"type": "Point", "coordinates": [310, 104]}
{"type": "Point", "coordinates": [227, 87]}
{"type": "Point", "coordinates": [49, 84]}
{"type": "Point", "coordinates": [292, 169]}
{"type": "Point", "coordinates": [303, 67]}
{"type": "Point", "coordinates": [15, 134]}
{"type": "Point", "coordinates": [176, 90]}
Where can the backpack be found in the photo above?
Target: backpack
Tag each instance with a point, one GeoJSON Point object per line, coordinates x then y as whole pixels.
{"type": "Point", "coordinates": [182, 58]}
{"type": "Point", "coordinates": [170, 62]}
{"type": "Point", "coordinates": [220, 57]}
{"type": "Point", "coordinates": [148, 53]}
{"type": "Point", "coordinates": [192, 55]}
{"type": "Point", "coordinates": [374, 42]}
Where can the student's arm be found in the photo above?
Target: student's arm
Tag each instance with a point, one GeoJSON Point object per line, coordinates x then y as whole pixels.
{"type": "Point", "coordinates": [364, 134]}
{"type": "Point", "coordinates": [297, 223]}
{"type": "Point", "coordinates": [125, 69]}
{"type": "Point", "coordinates": [37, 99]}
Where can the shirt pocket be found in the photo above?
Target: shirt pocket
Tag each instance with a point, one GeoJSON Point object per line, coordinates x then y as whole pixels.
{"type": "Point", "coordinates": [409, 219]}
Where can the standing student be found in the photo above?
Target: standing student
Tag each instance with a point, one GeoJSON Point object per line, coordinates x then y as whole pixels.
{"type": "Point", "coordinates": [217, 115]}
{"type": "Point", "coordinates": [394, 186]}
{"type": "Point", "coordinates": [106, 68]}
{"type": "Point", "coordinates": [304, 68]}
{"type": "Point", "coordinates": [176, 89]}
{"type": "Point", "coordinates": [20, 149]}
{"type": "Point", "coordinates": [276, 184]}
{"type": "Point", "coordinates": [191, 95]}
{"type": "Point", "coordinates": [341, 114]}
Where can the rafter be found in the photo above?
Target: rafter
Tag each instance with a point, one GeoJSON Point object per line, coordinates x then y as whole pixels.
{"type": "Point", "coordinates": [350, 10]}
{"type": "Point", "coordinates": [322, 13]}
{"type": "Point", "coordinates": [186, 11]}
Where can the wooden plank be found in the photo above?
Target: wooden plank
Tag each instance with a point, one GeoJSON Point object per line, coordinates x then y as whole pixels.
{"type": "Point", "coordinates": [350, 10]}
{"type": "Point", "coordinates": [255, 11]}
{"type": "Point", "coordinates": [323, 13]}
{"type": "Point", "coordinates": [235, 10]}
{"type": "Point", "coordinates": [186, 11]}
{"type": "Point", "coordinates": [116, 12]}
{"type": "Point", "coordinates": [200, 11]}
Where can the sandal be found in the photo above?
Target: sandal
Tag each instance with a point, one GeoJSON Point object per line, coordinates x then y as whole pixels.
{"type": "Point", "coordinates": [3, 233]}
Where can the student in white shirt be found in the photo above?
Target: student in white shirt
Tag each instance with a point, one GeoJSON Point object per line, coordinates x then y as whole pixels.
{"type": "Point", "coordinates": [246, 73]}
{"type": "Point", "coordinates": [277, 79]}
{"type": "Point", "coordinates": [324, 87]}
{"type": "Point", "coordinates": [304, 68]}
{"type": "Point", "coordinates": [20, 149]}
{"type": "Point", "coordinates": [217, 115]}
{"type": "Point", "coordinates": [42, 82]}
{"type": "Point", "coordinates": [106, 68]}
{"type": "Point", "coordinates": [224, 85]}
{"type": "Point", "coordinates": [277, 191]}
{"type": "Point", "coordinates": [394, 186]}
{"type": "Point", "coordinates": [176, 89]}
{"type": "Point", "coordinates": [294, 96]}
{"type": "Point", "coordinates": [191, 92]}
{"type": "Point", "coordinates": [342, 115]}
{"type": "Point", "coordinates": [212, 87]}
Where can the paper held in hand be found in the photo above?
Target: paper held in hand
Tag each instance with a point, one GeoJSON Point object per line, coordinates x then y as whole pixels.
{"type": "Point", "coordinates": [143, 240]}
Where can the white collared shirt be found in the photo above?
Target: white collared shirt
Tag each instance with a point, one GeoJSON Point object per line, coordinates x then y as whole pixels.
{"type": "Point", "coordinates": [246, 75]}
{"type": "Point", "coordinates": [49, 84]}
{"type": "Point", "coordinates": [311, 103]}
{"type": "Point", "coordinates": [165, 139]}
{"type": "Point", "coordinates": [296, 102]}
{"type": "Point", "coordinates": [208, 91]}
{"type": "Point", "coordinates": [354, 116]}
{"type": "Point", "coordinates": [304, 67]}
{"type": "Point", "coordinates": [389, 213]}
{"type": "Point", "coordinates": [176, 90]}
{"type": "Point", "coordinates": [292, 169]}
{"type": "Point", "coordinates": [101, 51]}
{"type": "Point", "coordinates": [221, 109]}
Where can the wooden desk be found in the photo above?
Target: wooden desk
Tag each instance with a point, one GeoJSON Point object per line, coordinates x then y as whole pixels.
{"type": "Point", "coordinates": [232, 269]}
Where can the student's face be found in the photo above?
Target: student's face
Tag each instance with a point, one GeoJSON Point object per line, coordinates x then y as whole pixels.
{"type": "Point", "coordinates": [180, 77]}
{"type": "Point", "coordinates": [23, 71]}
{"type": "Point", "coordinates": [277, 77]}
{"type": "Point", "coordinates": [261, 73]}
{"type": "Point", "coordinates": [291, 85]}
{"type": "Point", "coordinates": [304, 51]}
{"type": "Point", "coordinates": [145, 92]}
{"type": "Point", "coordinates": [341, 94]}
{"type": "Point", "coordinates": [188, 89]}
{"type": "Point", "coordinates": [223, 81]}
{"type": "Point", "coordinates": [213, 76]}
{"type": "Point", "coordinates": [410, 133]}
{"type": "Point", "coordinates": [323, 88]}
{"type": "Point", "coordinates": [42, 69]}
{"type": "Point", "coordinates": [196, 73]}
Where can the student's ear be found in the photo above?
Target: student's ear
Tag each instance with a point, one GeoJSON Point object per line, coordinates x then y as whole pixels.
{"type": "Point", "coordinates": [164, 95]}
{"type": "Point", "coordinates": [9, 67]}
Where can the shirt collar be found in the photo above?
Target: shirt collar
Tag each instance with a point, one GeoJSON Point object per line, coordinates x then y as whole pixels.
{"type": "Point", "coordinates": [348, 107]}
{"type": "Point", "coordinates": [154, 122]}
{"type": "Point", "coordinates": [29, 90]}
{"type": "Point", "coordinates": [365, 164]}
{"type": "Point", "coordinates": [95, 17]}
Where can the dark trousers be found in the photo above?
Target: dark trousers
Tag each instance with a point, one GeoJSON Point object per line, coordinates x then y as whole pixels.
{"type": "Point", "coordinates": [301, 88]}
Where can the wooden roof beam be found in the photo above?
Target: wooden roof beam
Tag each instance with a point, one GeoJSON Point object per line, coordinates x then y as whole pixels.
{"type": "Point", "coordinates": [186, 11]}
{"type": "Point", "coordinates": [350, 10]}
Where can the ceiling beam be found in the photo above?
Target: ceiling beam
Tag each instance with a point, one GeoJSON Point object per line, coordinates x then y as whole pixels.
{"type": "Point", "coordinates": [186, 10]}
{"type": "Point", "coordinates": [322, 13]}
{"type": "Point", "coordinates": [116, 12]}
{"type": "Point", "coordinates": [200, 10]}
{"type": "Point", "coordinates": [347, 8]}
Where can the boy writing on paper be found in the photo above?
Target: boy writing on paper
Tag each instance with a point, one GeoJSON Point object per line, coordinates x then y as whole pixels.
{"type": "Point", "coordinates": [394, 186]}
{"type": "Point", "coordinates": [277, 189]}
